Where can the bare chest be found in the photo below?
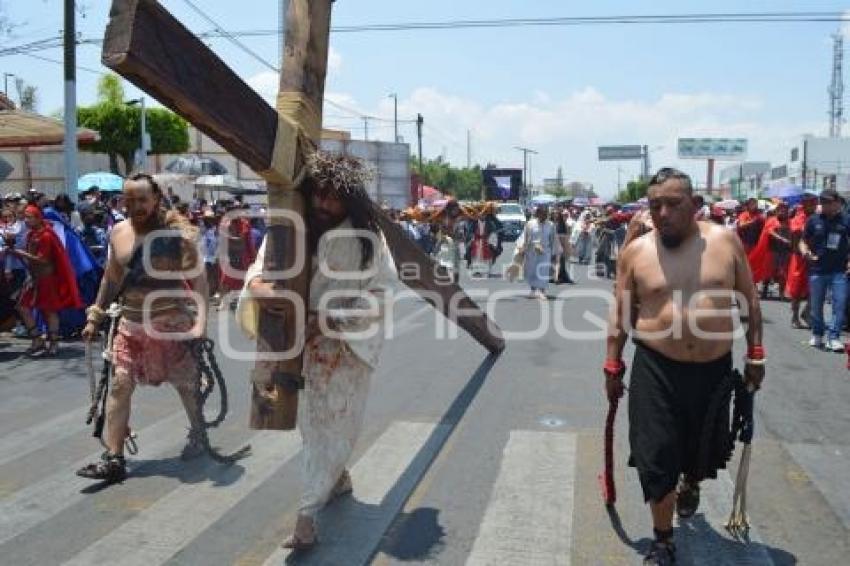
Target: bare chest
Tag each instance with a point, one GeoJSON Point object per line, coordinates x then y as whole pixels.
{"type": "Point", "coordinates": [660, 275]}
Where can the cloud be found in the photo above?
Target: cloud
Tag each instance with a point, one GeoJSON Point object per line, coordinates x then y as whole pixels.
{"type": "Point", "coordinates": [266, 82]}
{"type": "Point", "coordinates": [567, 130]}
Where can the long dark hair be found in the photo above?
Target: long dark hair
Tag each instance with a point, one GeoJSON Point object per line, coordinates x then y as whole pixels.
{"type": "Point", "coordinates": [359, 210]}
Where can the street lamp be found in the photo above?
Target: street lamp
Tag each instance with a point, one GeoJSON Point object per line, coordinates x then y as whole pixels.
{"type": "Point", "coordinates": [142, 161]}
{"type": "Point", "coordinates": [394, 96]}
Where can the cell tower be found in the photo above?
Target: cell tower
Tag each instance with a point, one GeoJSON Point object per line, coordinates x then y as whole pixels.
{"type": "Point", "coordinates": [836, 89]}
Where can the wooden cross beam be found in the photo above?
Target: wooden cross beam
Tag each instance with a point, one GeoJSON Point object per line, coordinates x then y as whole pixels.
{"type": "Point", "coordinates": [148, 46]}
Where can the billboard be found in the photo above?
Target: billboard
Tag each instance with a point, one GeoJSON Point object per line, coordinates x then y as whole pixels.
{"type": "Point", "coordinates": [502, 184]}
{"type": "Point", "coordinates": [620, 152]}
{"type": "Point", "coordinates": [727, 149]}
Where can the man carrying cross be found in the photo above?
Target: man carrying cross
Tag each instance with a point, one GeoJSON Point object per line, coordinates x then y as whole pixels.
{"type": "Point", "coordinates": [351, 269]}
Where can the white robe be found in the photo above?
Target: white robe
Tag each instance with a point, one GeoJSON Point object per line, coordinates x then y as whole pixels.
{"type": "Point", "coordinates": [540, 244]}
{"type": "Point", "coordinates": [337, 369]}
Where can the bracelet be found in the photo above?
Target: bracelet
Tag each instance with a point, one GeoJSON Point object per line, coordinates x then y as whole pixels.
{"type": "Point", "coordinates": [95, 314]}
{"type": "Point", "coordinates": [755, 352]}
{"type": "Point", "coordinates": [755, 362]}
{"type": "Point", "coordinates": [614, 367]}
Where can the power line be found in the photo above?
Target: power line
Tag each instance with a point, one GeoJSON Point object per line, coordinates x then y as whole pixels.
{"type": "Point", "coordinates": [663, 19]}
{"type": "Point", "coordinates": [57, 61]}
{"type": "Point", "coordinates": [230, 36]}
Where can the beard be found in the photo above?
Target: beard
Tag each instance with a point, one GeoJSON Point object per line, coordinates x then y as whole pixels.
{"type": "Point", "coordinates": [671, 241]}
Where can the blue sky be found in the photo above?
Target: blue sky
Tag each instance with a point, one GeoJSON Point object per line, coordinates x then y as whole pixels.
{"type": "Point", "coordinates": [561, 90]}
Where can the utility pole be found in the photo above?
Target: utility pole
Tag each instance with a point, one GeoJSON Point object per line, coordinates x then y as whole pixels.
{"type": "Point", "coordinates": [70, 141]}
{"type": "Point", "coordinates": [836, 87]}
{"type": "Point", "coordinates": [394, 96]}
{"type": "Point", "coordinates": [6, 83]}
{"type": "Point", "coordinates": [468, 149]}
{"type": "Point", "coordinates": [366, 128]}
{"type": "Point", "coordinates": [525, 151]}
{"type": "Point", "coordinates": [419, 122]}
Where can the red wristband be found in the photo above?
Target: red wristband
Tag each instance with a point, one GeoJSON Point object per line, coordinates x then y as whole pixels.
{"type": "Point", "coordinates": [614, 366]}
{"type": "Point", "coordinates": [755, 352]}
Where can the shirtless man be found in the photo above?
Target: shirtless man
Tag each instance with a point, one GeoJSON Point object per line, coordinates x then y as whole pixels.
{"type": "Point", "coordinates": [137, 357]}
{"type": "Point", "coordinates": [676, 286]}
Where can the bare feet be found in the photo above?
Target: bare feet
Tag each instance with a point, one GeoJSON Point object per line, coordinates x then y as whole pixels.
{"type": "Point", "coordinates": [304, 537]}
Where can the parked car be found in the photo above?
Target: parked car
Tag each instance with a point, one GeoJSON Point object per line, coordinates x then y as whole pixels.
{"type": "Point", "coordinates": [512, 217]}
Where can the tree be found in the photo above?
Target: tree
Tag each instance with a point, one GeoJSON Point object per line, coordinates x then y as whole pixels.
{"type": "Point", "coordinates": [119, 126]}
{"type": "Point", "coordinates": [635, 190]}
{"type": "Point", "coordinates": [27, 95]}
{"type": "Point", "coordinates": [461, 183]}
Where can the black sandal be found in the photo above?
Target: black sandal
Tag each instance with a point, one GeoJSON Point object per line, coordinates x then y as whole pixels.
{"type": "Point", "coordinates": [37, 343]}
{"type": "Point", "coordinates": [52, 345]}
{"type": "Point", "coordinates": [111, 468]}
{"type": "Point", "coordinates": [661, 553]}
{"type": "Point", "coordinates": [687, 499]}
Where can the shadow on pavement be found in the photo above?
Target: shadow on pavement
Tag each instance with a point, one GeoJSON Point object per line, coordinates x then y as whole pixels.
{"type": "Point", "coordinates": [187, 472]}
{"type": "Point", "coordinates": [413, 535]}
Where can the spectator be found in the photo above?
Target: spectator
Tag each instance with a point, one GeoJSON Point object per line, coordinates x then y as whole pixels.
{"type": "Point", "coordinates": [94, 236]}
{"type": "Point", "coordinates": [825, 247]}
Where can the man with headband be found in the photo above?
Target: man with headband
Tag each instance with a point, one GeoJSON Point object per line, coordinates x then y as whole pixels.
{"type": "Point", "coordinates": [351, 268]}
{"type": "Point", "coordinates": [154, 273]}
{"type": "Point", "coordinates": [676, 288]}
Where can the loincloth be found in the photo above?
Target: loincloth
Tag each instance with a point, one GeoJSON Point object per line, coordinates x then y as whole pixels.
{"type": "Point", "coordinates": [678, 419]}
{"type": "Point", "coordinates": [152, 361]}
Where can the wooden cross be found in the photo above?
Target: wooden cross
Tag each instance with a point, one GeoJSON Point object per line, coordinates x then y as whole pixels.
{"type": "Point", "coordinates": [148, 46]}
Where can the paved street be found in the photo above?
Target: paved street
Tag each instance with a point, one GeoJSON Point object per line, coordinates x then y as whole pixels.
{"type": "Point", "coordinates": [464, 459]}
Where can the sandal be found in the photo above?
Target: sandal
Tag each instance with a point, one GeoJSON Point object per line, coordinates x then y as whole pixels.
{"type": "Point", "coordinates": [195, 446]}
{"type": "Point", "coordinates": [661, 553]}
{"type": "Point", "coordinates": [111, 468]}
{"type": "Point", "coordinates": [797, 324]}
{"type": "Point", "coordinates": [52, 345]}
{"type": "Point", "coordinates": [37, 344]}
{"type": "Point", "coordinates": [299, 542]}
{"type": "Point", "coordinates": [687, 499]}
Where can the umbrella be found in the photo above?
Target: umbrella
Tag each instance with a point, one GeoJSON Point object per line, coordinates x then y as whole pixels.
{"type": "Point", "coordinates": [194, 165]}
{"type": "Point", "coordinates": [106, 182]}
{"type": "Point", "coordinates": [220, 182]}
{"type": "Point", "coordinates": [544, 199]}
{"type": "Point", "coordinates": [728, 204]}
{"type": "Point", "coordinates": [787, 191]}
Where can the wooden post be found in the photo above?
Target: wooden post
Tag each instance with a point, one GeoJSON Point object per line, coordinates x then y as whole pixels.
{"type": "Point", "coordinates": [149, 47]}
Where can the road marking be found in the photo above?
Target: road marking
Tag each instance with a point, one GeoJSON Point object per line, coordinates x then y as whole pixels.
{"type": "Point", "coordinates": [529, 519]}
{"type": "Point", "coordinates": [704, 537]}
{"type": "Point", "coordinates": [26, 441]}
{"type": "Point", "coordinates": [828, 466]}
{"type": "Point", "coordinates": [160, 531]}
{"type": "Point", "coordinates": [27, 507]}
{"type": "Point", "coordinates": [383, 477]}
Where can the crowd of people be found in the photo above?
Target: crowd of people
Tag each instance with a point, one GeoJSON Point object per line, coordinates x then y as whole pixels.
{"type": "Point", "coordinates": [53, 252]}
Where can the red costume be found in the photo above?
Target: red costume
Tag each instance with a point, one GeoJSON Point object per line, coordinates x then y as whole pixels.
{"type": "Point", "coordinates": [54, 286]}
{"type": "Point", "coordinates": [797, 283]}
{"type": "Point", "coordinates": [481, 250]}
{"type": "Point", "coordinates": [750, 226]}
{"type": "Point", "coordinates": [764, 262]}
{"type": "Point", "coordinates": [240, 253]}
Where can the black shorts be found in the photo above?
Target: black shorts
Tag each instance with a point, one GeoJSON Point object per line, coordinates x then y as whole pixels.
{"type": "Point", "coordinates": [678, 419]}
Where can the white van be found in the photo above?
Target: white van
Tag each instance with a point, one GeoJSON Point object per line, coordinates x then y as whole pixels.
{"type": "Point", "coordinates": [512, 217]}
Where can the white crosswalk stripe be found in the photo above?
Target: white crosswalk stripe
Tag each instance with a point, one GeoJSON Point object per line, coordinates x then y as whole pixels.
{"type": "Point", "coordinates": [530, 515]}
{"type": "Point", "coordinates": [160, 531]}
{"type": "Point", "coordinates": [355, 527]}
{"type": "Point", "coordinates": [28, 440]}
{"type": "Point", "coordinates": [25, 508]}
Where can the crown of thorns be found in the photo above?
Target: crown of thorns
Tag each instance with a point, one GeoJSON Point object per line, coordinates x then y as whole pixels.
{"type": "Point", "coordinates": [344, 174]}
